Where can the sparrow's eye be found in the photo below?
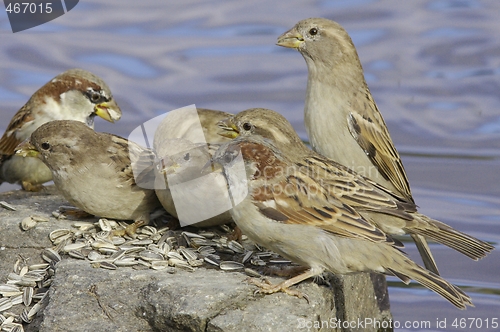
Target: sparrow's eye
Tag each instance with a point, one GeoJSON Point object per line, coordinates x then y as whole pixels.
{"type": "Point", "coordinates": [94, 96]}
{"type": "Point", "coordinates": [45, 146]}
{"type": "Point", "coordinates": [247, 126]}
{"type": "Point", "coordinates": [186, 156]}
{"type": "Point", "coordinates": [313, 31]}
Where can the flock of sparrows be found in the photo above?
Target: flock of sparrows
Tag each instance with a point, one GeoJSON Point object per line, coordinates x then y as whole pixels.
{"type": "Point", "coordinates": [334, 208]}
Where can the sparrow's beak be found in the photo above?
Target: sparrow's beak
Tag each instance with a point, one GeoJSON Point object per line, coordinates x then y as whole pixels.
{"type": "Point", "coordinates": [229, 129]}
{"type": "Point", "coordinates": [290, 39]}
{"type": "Point", "coordinates": [26, 149]}
{"type": "Point", "coordinates": [108, 110]}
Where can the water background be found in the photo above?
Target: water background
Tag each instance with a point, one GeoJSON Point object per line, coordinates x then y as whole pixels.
{"type": "Point", "coordinates": [432, 66]}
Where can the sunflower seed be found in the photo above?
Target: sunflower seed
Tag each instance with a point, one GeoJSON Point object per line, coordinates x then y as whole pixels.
{"type": "Point", "coordinates": [193, 235]}
{"type": "Point", "coordinates": [247, 256]}
{"type": "Point", "coordinates": [252, 273]}
{"type": "Point", "coordinates": [28, 295]}
{"type": "Point", "coordinates": [5, 304]}
{"type": "Point", "coordinates": [230, 266]}
{"type": "Point", "coordinates": [108, 265]}
{"type": "Point", "coordinates": [28, 223]}
{"type": "Point", "coordinates": [50, 256]}
{"type": "Point", "coordinates": [212, 259]}
{"type": "Point", "coordinates": [206, 250]}
{"type": "Point", "coordinates": [180, 264]}
{"type": "Point", "coordinates": [7, 206]}
{"type": "Point", "coordinates": [159, 265]}
{"type": "Point", "coordinates": [94, 256]}
{"type": "Point", "coordinates": [257, 261]}
{"type": "Point", "coordinates": [236, 247]}
{"type": "Point", "coordinates": [34, 310]}
{"type": "Point", "coordinates": [188, 253]}
{"type": "Point", "coordinates": [74, 246]}
{"type": "Point", "coordinates": [149, 255]}
{"type": "Point", "coordinates": [104, 225]}
{"type": "Point", "coordinates": [127, 261]}
{"type": "Point", "coordinates": [76, 254]}
{"type": "Point", "coordinates": [58, 233]}
{"type": "Point", "coordinates": [41, 266]}
{"type": "Point", "coordinates": [16, 299]}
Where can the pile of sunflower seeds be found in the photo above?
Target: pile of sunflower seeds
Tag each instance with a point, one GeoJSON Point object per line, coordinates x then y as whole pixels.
{"type": "Point", "coordinates": [157, 248]}
{"type": "Point", "coordinates": [27, 285]}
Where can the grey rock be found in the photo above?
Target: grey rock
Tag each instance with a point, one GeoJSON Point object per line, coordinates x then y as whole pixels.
{"type": "Point", "coordinates": [83, 298]}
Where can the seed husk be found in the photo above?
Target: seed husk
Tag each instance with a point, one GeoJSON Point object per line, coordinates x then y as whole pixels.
{"type": "Point", "coordinates": [230, 265]}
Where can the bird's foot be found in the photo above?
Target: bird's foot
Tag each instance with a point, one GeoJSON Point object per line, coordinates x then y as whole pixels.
{"type": "Point", "coordinates": [32, 187]}
{"type": "Point", "coordinates": [266, 287]}
{"type": "Point", "coordinates": [130, 230]}
{"type": "Point", "coordinates": [73, 212]}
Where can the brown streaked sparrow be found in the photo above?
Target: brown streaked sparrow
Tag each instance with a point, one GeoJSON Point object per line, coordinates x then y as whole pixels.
{"type": "Point", "coordinates": [341, 112]}
{"type": "Point", "coordinates": [289, 210]}
{"type": "Point", "coordinates": [388, 211]}
{"type": "Point", "coordinates": [94, 171]}
{"type": "Point", "coordinates": [184, 142]}
{"type": "Point", "coordinates": [76, 94]}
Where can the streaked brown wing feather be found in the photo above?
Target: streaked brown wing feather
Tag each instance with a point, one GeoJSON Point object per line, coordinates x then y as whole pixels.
{"type": "Point", "coordinates": [8, 142]}
{"type": "Point", "coordinates": [371, 133]}
{"type": "Point", "coordinates": [356, 190]}
{"type": "Point", "coordinates": [132, 158]}
{"type": "Point", "coordinates": [311, 205]}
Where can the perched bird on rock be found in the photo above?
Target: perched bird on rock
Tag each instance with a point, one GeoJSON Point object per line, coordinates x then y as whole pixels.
{"type": "Point", "coordinates": [94, 171]}
{"type": "Point", "coordinates": [291, 186]}
{"type": "Point", "coordinates": [341, 117]}
{"type": "Point", "coordinates": [76, 94]}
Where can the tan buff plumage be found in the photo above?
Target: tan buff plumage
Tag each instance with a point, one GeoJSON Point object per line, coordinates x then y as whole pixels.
{"type": "Point", "coordinates": [387, 210]}
{"type": "Point", "coordinates": [341, 116]}
{"type": "Point", "coordinates": [290, 210]}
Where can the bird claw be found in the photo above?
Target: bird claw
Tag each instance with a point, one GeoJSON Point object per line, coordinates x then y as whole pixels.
{"type": "Point", "coordinates": [266, 287]}
{"type": "Point", "coordinates": [130, 230]}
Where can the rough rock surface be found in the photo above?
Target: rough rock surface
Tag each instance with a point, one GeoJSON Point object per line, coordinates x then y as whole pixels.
{"type": "Point", "coordinates": [83, 298]}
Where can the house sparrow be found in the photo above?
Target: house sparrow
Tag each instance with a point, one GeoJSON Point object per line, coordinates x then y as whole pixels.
{"type": "Point", "coordinates": [94, 171]}
{"type": "Point", "coordinates": [288, 209]}
{"type": "Point", "coordinates": [184, 142]}
{"type": "Point", "coordinates": [341, 112]}
{"type": "Point", "coordinates": [386, 210]}
{"type": "Point", "coordinates": [76, 95]}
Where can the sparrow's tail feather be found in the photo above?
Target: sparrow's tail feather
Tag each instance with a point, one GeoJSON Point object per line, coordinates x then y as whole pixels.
{"type": "Point", "coordinates": [444, 234]}
{"type": "Point", "coordinates": [409, 270]}
{"type": "Point", "coordinates": [425, 253]}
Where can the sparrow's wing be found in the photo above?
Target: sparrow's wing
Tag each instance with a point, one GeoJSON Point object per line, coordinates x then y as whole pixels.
{"type": "Point", "coordinates": [370, 131]}
{"type": "Point", "coordinates": [358, 191]}
{"type": "Point", "coordinates": [300, 199]}
{"type": "Point", "coordinates": [9, 141]}
{"type": "Point", "coordinates": [134, 163]}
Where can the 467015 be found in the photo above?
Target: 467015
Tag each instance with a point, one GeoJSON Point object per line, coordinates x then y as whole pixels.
{"type": "Point", "coordinates": [29, 8]}
{"type": "Point", "coordinates": [475, 323]}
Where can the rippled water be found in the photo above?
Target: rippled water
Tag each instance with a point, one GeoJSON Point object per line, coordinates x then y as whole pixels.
{"type": "Point", "coordinates": [432, 66]}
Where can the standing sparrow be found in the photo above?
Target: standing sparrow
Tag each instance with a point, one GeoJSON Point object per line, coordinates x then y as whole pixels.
{"type": "Point", "coordinates": [289, 210]}
{"type": "Point", "coordinates": [342, 120]}
{"type": "Point", "coordinates": [184, 142]}
{"type": "Point", "coordinates": [94, 171]}
{"type": "Point", "coordinates": [75, 94]}
{"type": "Point", "coordinates": [386, 210]}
